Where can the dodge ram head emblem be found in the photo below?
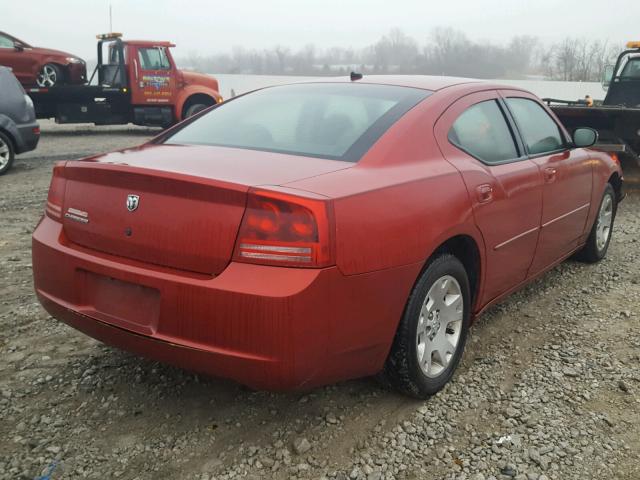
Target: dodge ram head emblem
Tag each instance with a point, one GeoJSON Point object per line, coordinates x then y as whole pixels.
{"type": "Point", "coordinates": [132, 202]}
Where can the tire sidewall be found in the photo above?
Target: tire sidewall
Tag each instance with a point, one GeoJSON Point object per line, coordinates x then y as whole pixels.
{"type": "Point", "coordinates": [12, 154]}
{"type": "Point", "coordinates": [195, 109]}
{"type": "Point", "coordinates": [445, 265]}
{"type": "Point", "coordinates": [601, 253]}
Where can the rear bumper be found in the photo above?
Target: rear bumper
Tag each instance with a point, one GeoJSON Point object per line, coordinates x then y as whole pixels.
{"type": "Point", "coordinates": [29, 136]}
{"type": "Point", "coordinates": [267, 327]}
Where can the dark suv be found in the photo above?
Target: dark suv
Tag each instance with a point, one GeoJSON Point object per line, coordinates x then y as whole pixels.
{"type": "Point", "coordinates": [19, 130]}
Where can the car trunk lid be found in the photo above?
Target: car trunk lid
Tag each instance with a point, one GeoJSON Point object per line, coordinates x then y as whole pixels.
{"type": "Point", "coordinates": [173, 208]}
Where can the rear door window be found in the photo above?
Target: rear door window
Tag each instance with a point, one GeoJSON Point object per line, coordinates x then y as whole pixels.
{"type": "Point", "coordinates": [483, 132]}
{"type": "Point", "coordinates": [539, 132]}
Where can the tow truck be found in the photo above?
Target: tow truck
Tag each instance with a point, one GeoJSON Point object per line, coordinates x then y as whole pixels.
{"type": "Point", "coordinates": [135, 81]}
{"type": "Point", "coordinates": [617, 117]}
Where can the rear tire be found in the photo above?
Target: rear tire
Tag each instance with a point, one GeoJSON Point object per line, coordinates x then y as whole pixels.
{"type": "Point", "coordinates": [7, 153]}
{"type": "Point", "coordinates": [51, 75]}
{"type": "Point", "coordinates": [600, 237]}
{"type": "Point", "coordinates": [432, 332]}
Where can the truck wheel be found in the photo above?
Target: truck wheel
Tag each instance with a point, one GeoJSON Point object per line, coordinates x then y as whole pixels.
{"type": "Point", "coordinates": [598, 242]}
{"type": "Point", "coordinates": [432, 332]}
{"type": "Point", "coordinates": [6, 153]}
{"type": "Point", "coordinates": [50, 76]}
{"type": "Point", "coordinates": [195, 108]}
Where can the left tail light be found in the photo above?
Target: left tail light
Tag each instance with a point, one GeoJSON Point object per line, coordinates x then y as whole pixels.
{"type": "Point", "coordinates": [56, 193]}
{"type": "Point", "coordinates": [286, 230]}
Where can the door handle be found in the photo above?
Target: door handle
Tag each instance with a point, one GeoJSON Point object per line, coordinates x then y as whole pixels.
{"type": "Point", "coordinates": [550, 174]}
{"type": "Point", "coordinates": [485, 193]}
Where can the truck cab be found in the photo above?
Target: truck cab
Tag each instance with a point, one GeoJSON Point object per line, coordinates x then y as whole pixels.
{"type": "Point", "coordinates": [622, 80]}
{"type": "Point", "coordinates": [135, 81]}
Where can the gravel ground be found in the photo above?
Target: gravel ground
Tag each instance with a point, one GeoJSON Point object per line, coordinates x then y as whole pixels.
{"type": "Point", "coordinates": [549, 386]}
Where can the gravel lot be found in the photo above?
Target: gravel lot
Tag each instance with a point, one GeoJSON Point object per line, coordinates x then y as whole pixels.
{"type": "Point", "coordinates": [549, 387]}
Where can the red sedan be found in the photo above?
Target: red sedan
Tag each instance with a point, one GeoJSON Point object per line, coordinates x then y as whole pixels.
{"type": "Point", "coordinates": [41, 67]}
{"type": "Point", "coordinates": [311, 233]}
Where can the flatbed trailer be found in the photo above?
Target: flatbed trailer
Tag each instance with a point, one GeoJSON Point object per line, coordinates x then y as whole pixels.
{"type": "Point", "coordinates": [617, 117]}
{"type": "Point", "coordinates": [97, 105]}
{"type": "Point", "coordinates": [135, 82]}
{"type": "Point", "coordinates": [616, 125]}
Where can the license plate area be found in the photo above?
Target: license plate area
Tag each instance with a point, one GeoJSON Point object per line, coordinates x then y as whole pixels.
{"type": "Point", "coordinates": [123, 304]}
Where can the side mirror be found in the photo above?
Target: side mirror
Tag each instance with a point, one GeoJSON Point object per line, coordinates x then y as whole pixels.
{"type": "Point", "coordinates": [607, 75]}
{"type": "Point", "coordinates": [584, 137]}
{"type": "Point", "coordinates": [18, 47]}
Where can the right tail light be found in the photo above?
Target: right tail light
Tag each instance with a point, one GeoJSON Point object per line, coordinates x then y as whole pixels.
{"type": "Point", "coordinates": [282, 229]}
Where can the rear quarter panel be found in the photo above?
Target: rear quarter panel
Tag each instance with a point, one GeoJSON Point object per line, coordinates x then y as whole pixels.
{"type": "Point", "coordinates": [603, 168]}
{"type": "Point", "coordinates": [392, 211]}
{"type": "Point", "coordinates": [400, 202]}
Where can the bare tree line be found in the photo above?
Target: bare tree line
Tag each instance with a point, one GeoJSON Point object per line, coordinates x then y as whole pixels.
{"type": "Point", "coordinates": [446, 52]}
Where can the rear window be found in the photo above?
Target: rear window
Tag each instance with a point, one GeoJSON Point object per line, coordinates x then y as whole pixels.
{"type": "Point", "coordinates": [334, 121]}
{"type": "Point", "coordinates": [483, 132]}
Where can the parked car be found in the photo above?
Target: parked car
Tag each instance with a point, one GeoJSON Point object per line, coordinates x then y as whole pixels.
{"type": "Point", "coordinates": [311, 233]}
{"type": "Point", "coordinates": [19, 130]}
{"type": "Point", "coordinates": [40, 67]}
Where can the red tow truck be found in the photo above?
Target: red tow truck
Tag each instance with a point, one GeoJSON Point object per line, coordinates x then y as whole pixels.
{"type": "Point", "coordinates": [134, 81]}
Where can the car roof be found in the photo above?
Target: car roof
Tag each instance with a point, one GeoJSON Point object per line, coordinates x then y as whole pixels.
{"type": "Point", "coordinates": [425, 82]}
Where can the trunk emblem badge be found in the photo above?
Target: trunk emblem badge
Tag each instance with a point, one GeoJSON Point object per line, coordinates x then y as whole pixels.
{"type": "Point", "coordinates": [132, 202]}
{"type": "Point", "coordinates": [77, 215]}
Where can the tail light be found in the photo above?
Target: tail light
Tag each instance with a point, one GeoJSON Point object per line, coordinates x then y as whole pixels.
{"type": "Point", "coordinates": [56, 193]}
{"type": "Point", "coordinates": [281, 229]}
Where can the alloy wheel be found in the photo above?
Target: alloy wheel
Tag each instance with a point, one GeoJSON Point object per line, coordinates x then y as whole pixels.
{"type": "Point", "coordinates": [604, 222]}
{"type": "Point", "coordinates": [47, 77]}
{"type": "Point", "coordinates": [439, 326]}
{"type": "Point", "coordinates": [5, 154]}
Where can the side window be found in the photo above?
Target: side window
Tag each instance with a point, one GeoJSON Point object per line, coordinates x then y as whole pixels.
{"type": "Point", "coordinates": [631, 70]}
{"type": "Point", "coordinates": [540, 133]}
{"type": "Point", "coordinates": [5, 42]}
{"type": "Point", "coordinates": [483, 132]}
{"type": "Point", "coordinates": [153, 59]}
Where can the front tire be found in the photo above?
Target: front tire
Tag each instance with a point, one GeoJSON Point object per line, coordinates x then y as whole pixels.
{"type": "Point", "coordinates": [7, 153]}
{"type": "Point", "coordinates": [195, 108]}
{"type": "Point", "coordinates": [51, 75]}
{"type": "Point", "coordinates": [600, 237]}
{"type": "Point", "coordinates": [433, 330]}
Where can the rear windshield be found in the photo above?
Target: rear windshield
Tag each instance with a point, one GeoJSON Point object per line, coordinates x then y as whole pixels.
{"type": "Point", "coordinates": [332, 120]}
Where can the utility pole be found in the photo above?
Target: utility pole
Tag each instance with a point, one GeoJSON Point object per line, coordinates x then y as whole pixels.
{"type": "Point", "coordinates": [110, 19]}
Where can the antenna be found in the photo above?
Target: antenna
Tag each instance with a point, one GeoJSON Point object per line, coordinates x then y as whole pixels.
{"type": "Point", "coordinates": [110, 18]}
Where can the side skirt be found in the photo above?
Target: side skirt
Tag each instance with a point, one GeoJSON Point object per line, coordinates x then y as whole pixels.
{"type": "Point", "coordinates": [521, 285]}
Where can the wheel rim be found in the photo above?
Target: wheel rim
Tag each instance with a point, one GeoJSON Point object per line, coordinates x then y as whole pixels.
{"type": "Point", "coordinates": [5, 154]}
{"type": "Point", "coordinates": [605, 221]}
{"type": "Point", "coordinates": [47, 77]}
{"type": "Point", "coordinates": [439, 326]}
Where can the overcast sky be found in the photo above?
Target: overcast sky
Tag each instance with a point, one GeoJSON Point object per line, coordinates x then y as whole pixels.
{"type": "Point", "coordinates": [214, 26]}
